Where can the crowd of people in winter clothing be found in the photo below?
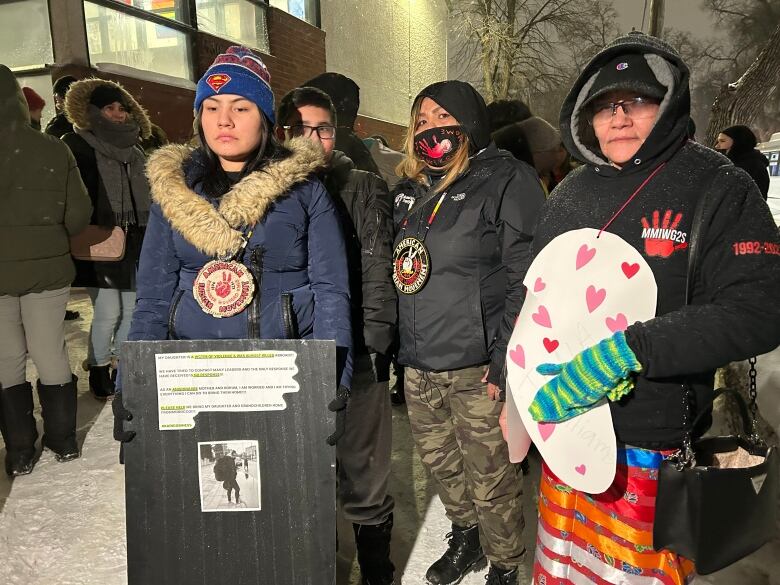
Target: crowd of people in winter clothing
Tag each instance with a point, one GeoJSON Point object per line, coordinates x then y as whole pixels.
{"type": "Point", "coordinates": [415, 257]}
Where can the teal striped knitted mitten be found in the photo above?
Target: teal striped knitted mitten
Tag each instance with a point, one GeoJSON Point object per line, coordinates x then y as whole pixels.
{"type": "Point", "coordinates": [601, 370]}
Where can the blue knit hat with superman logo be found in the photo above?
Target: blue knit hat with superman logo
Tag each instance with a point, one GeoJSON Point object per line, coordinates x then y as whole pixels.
{"type": "Point", "coordinates": [238, 71]}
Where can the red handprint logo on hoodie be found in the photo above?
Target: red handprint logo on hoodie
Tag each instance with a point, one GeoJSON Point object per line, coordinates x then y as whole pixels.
{"type": "Point", "coordinates": [662, 238]}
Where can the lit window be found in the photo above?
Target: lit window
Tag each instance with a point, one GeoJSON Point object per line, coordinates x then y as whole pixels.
{"type": "Point", "coordinates": [173, 9]}
{"type": "Point", "coordinates": [116, 37]}
{"type": "Point", "coordinates": [25, 37]}
{"type": "Point", "coordinates": [242, 21]}
{"type": "Point", "coordinates": [307, 10]}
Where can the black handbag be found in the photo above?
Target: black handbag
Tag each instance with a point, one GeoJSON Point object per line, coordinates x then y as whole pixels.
{"type": "Point", "coordinates": [717, 497]}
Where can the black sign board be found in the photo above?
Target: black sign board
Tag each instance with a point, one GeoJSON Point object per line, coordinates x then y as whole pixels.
{"type": "Point", "coordinates": [184, 525]}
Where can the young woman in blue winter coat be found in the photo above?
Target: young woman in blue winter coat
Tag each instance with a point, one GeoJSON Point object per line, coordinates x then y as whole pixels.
{"type": "Point", "coordinates": [242, 242]}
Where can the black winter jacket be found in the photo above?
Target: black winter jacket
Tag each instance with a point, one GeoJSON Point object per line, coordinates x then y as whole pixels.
{"type": "Point", "coordinates": [755, 164]}
{"type": "Point", "coordinates": [479, 245]}
{"type": "Point", "coordinates": [734, 312]}
{"type": "Point", "coordinates": [59, 126]}
{"type": "Point", "coordinates": [364, 206]}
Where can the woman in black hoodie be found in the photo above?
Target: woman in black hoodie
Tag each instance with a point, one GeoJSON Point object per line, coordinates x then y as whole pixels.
{"type": "Point", "coordinates": [626, 117]}
{"type": "Point", "coordinates": [739, 144]}
{"type": "Point", "coordinates": [465, 213]}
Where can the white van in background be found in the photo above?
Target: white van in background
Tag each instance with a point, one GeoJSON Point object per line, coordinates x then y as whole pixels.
{"type": "Point", "coordinates": [771, 149]}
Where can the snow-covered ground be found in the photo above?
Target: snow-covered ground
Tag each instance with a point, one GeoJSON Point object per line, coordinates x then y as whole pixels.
{"type": "Point", "coordinates": [64, 524]}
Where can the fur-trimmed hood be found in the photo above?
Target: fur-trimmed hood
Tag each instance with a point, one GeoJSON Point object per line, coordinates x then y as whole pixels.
{"type": "Point", "coordinates": [216, 232]}
{"type": "Point", "coordinates": [77, 102]}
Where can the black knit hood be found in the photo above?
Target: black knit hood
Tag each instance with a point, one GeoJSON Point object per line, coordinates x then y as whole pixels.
{"type": "Point", "coordinates": [744, 140]}
{"type": "Point", "coordinates": [671, 123]}
{"type": "Point", "coordinates": [467, 106]}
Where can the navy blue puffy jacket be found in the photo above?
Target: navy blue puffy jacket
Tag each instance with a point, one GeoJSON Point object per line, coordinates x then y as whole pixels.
{"type": "Point", "coordinates": [297, 249]}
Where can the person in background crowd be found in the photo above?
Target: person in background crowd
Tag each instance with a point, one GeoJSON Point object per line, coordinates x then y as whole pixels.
{"type": "Point", "coordinates": [242, 198]}
{"type": "Point", "coordinates": [35, 104]}
{"type": "Point", "coordinates": [738, 143]}
{"type": "Point", "coordinates": [504, 112]}
{"type": "Point", "coordinates": [363, 453]}
{"type": "Point", "coordinates": [627, 117]}
{"type": "Point", "coordinates": [38, 211]}
{"type": "Point", "coordinates": [386, 158]}
{"type": "Point", "coordinates": [551, 160]}
{"type": "Point", "coordinates": [345, 95]}
{"type": "Point", "coordinates": [108, 123]}
{"type": "Point", "coordinates": [512, 139]}
{"type": "Point", "coordinates": [59, 125]}
{"type": "Point", "coordinates": [465, 213]}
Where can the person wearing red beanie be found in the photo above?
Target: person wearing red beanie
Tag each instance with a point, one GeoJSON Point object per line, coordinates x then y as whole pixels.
{"type": "Point", "coordinates": [35, 103]}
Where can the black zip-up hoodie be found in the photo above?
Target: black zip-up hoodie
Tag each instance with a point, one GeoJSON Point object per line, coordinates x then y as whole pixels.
{"type": "Point", "coordinates": [734, 312]}
{"type": "Point", "coordinates": [479, 243]}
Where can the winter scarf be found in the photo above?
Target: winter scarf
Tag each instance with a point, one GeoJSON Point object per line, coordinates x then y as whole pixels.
{"type": "Point", "coordinates": [121, 165]}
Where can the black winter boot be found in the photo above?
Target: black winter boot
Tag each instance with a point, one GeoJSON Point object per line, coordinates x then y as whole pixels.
{"type": "Point", "coordinates": [497, 576]}
{"type": "Point", "coordinates": [100, 383]}
{"type": "Point", "coordinates": [464, 554]}
{"type": "Point", "coordinates": [58, 410]}
{"type": "Point", "coordinates": [373, 552]}
{"type": "Point", "coordinates": [17, 425]}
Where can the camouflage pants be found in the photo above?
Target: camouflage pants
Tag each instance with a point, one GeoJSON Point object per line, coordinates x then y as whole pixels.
{"type": "Point", "coordinates": [455, 427]}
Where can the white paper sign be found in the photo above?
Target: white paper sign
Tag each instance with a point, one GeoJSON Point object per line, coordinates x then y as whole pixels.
{"type": "Point", "coordinates": [189, 383]}
{"type": "Point", "coordinates": [581, 289]}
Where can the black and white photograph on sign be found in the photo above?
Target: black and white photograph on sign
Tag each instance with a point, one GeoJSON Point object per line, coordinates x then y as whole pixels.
{"type": "Point", "coordinates": [229, 476]}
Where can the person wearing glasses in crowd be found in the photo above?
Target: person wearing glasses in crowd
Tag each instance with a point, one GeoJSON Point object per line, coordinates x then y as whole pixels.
{"type": "Point", "coordinates": [627, 118]}
{"type": "Point", "coordinates": [465, 213]}
{"type": "Point", "coordinates": [363, 453]}
{"type": "Point", "coordinates": [243, 241]}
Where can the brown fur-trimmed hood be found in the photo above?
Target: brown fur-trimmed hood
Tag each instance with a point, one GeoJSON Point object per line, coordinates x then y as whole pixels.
{"type": "Point", "coordinates": [77, 102]}
{"type": "Point", "coordinates": [216, 232]}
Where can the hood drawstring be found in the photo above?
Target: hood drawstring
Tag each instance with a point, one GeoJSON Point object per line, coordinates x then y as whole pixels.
{"type": "Point", "coordinates": [634, 194]}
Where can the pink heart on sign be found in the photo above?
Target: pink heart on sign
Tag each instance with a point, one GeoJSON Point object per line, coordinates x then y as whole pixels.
{"type": "Point", "coordinates": [542, 317]}
{"type": "Point", "coordinates": [581, 469]}
{"type": "Point", "coordinates": [594, 297]}
{"type": "Point", "coordinates": [545, 429]}
{"type": "Point", "coordinates": [550, 344]}
{"type": "Point", "coordinates": [584, 255]}
{"type": "Point", "coordinates": [619, 323]}
{"type": "Point", "coordinates": [539, 285]}
{"type": "Point", "coordinates": [517, 355]}
{"type": "Point", "coordinates": [629, 269]}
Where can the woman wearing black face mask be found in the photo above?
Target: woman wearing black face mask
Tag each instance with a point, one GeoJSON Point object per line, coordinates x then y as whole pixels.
{"type": "Point", "coordinates": [465, 214]}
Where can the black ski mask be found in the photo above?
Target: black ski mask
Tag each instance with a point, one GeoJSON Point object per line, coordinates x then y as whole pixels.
{"type": "Point", "coordinates": [438, 146]}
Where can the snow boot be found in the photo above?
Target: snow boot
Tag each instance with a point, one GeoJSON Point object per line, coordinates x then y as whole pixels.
{"type": "Point", "coordinates": [100, 383]}
{"type": "Point", "coordinates": [373, 552]}
{"type": "Point", "coordinates": [17, 425]}
{"type": "Point", "coordinates": [58, 410]}
{"type": "Point", "coordinates": [463, 555]}
{"type": "Point", "coordinates": [497, 576]}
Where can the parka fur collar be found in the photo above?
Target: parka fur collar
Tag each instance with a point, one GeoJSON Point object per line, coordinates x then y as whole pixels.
{"type": "Point", "coordinates": [77, 101]}
{"type": "Point", "coordinates": [216, 232]}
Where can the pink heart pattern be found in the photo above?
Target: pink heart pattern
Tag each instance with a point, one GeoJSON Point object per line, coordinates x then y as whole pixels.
{"type": "Point", "coordinates": [584, 255]}
{"type": "Point", "coordinates": [619, 323]}
{"type": "Point", "coordinates": [539, 285]}
{"type": "Point", "coordinates": [594, 297]}
{"type": "Point", "coordinates": [581, 469]}
{"type": "Point", "coordinates": [629, 269]}
{"type": "Point", "coordinates": [545, 429]}
{"type": "Point", "coordinates": [517, 355]}
{"type": "Point", "coordinates": [542, 317]}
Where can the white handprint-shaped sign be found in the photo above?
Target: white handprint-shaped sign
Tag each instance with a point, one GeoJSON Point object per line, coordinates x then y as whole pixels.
{"type": "Point", "coordinates": [582, 287]}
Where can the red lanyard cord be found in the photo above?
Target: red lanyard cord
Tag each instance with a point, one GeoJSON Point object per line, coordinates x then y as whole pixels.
{"type": "Point", "coordinates": [634, 194]}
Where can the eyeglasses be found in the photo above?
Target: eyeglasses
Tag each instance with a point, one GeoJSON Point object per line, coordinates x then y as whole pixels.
{"type": "Point", "coordinates": [637, 108]}
{"type": "Point", "coordinates": [324, 132]}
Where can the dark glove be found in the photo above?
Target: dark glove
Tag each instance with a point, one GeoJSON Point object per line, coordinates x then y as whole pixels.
{"type": "Point", "coordinates": [121, 414]}
{"type": "Point", "coordinates": [339, 406]}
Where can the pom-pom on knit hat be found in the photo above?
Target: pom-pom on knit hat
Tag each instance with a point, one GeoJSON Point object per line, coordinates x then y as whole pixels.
{"type": "Point", "coordinates": [238, 71]}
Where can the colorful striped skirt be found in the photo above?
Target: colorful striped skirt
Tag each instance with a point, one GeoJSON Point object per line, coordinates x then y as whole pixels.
{"type": "Point", "coordinates": [605, 538]}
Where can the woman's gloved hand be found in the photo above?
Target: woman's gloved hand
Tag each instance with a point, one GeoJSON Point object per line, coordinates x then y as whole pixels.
{"type": "Point", "coordinates": [121, 414]}
{"type": "Point", "coordinates": [339, 406]}
{"type": "Point", "coordinates": [601, 370]}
